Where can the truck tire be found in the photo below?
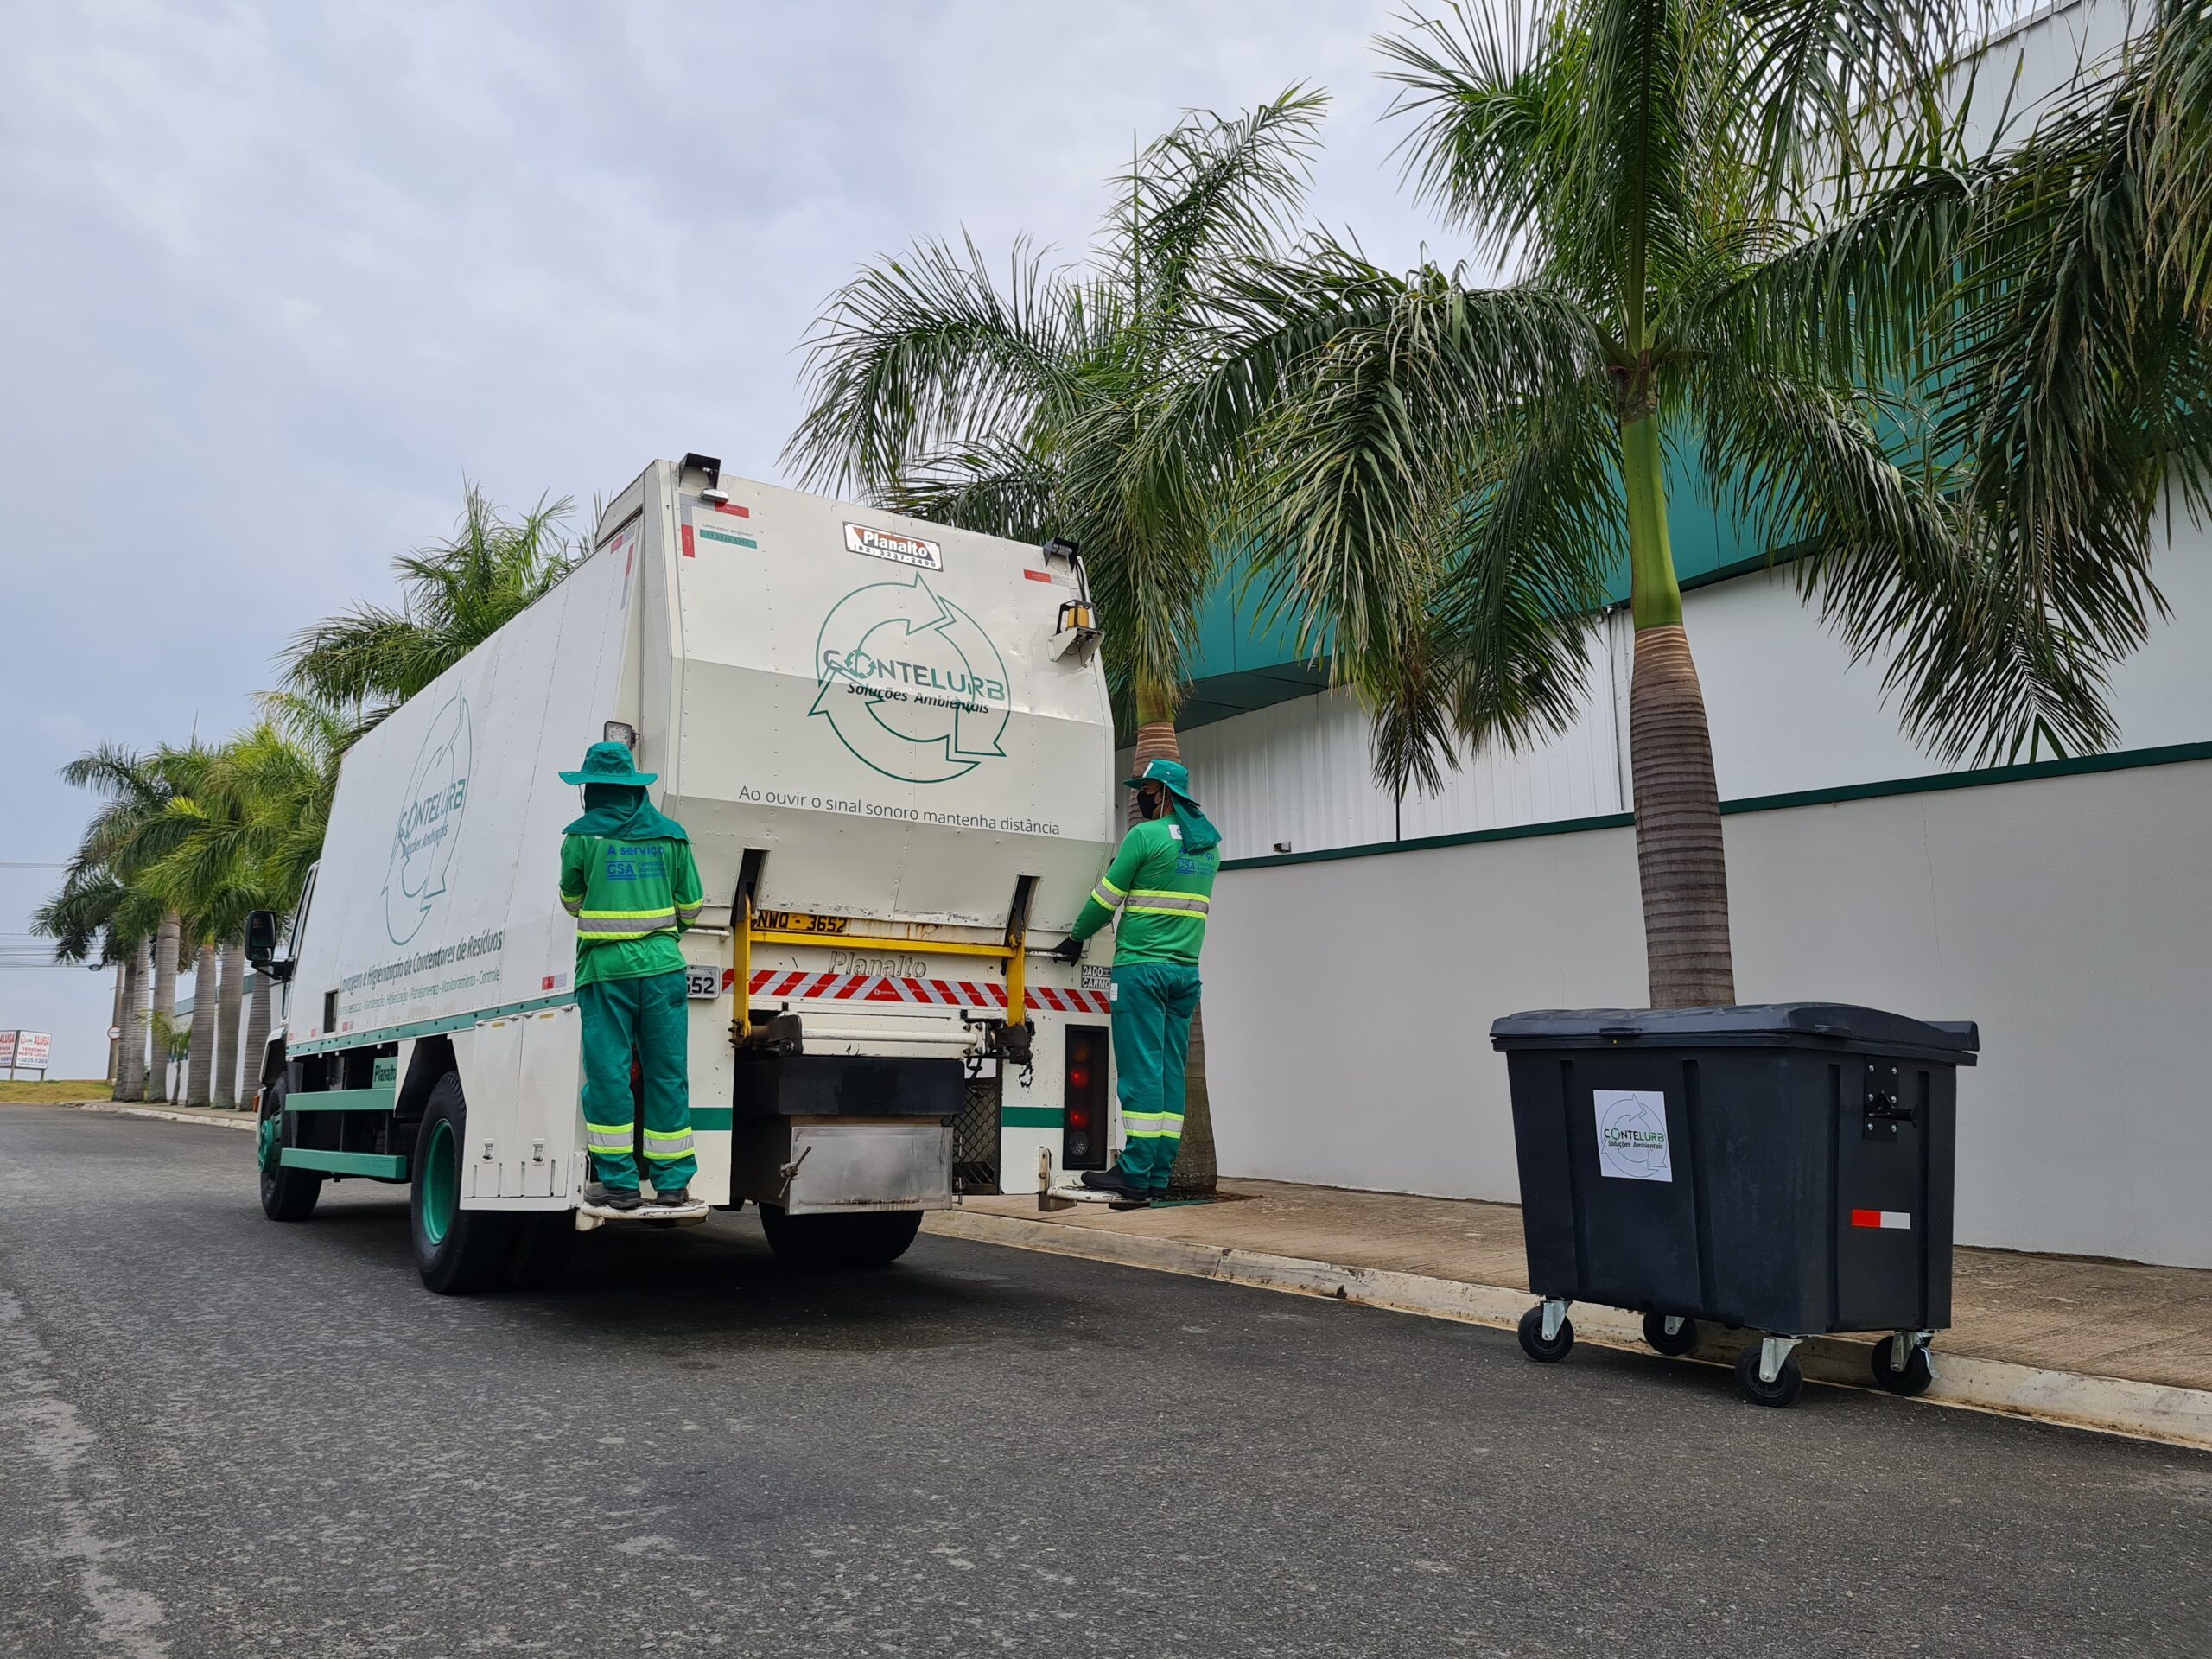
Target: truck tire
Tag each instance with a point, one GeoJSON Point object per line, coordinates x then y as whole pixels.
{"type": "Point", "coordinates": [286, 1194]}
{"type": "Point", "coordinates": [871, 1238]}
{"type": "Point", "coordinates": [456, 1251]}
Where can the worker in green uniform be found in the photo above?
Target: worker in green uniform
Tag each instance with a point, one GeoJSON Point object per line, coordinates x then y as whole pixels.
{"type": "Point", "coordinates": [1161, 882]}
{"type": "Point", "coordinates": [628, 878]}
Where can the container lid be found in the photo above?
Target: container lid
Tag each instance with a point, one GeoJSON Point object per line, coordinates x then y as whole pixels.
{"type": "Point", "coordinates": [1735, 1026]}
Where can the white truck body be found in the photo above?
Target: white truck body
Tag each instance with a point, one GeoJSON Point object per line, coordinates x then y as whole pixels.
{"type": "Point", "coordinates": [889, 718]}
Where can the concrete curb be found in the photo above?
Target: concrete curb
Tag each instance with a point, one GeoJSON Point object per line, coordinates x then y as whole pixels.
{"type": "Point", "coordinates": [2111, 1405]}
{"type": "Point", "coordinates": [121, 1108]}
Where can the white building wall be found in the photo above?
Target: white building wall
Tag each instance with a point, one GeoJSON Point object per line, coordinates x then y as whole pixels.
{"type": "Point", "coordinates": [1789, 711]}
{"type": "Point", "coordinates": [1348, 1002]}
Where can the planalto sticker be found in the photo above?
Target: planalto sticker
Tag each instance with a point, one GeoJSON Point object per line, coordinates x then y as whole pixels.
{"type": "Point", "coordinates": [910, 682]}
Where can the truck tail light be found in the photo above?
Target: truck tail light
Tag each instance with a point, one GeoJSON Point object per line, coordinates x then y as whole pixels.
{"type": "Point", "coordinates": [1083, 1137]}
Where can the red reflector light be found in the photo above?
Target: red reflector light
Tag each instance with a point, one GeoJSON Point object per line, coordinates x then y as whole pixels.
{"type": "Point", "coordinates": [1078, 1120]}
{"type": "Point", "coordinates": [1078, 1078]}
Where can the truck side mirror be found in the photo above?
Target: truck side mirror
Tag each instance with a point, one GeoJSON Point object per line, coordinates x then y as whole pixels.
{"type": "Point", "coordinates": [261, 939]}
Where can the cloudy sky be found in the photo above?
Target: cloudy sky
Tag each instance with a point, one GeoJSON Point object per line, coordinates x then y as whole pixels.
{"type": "Point", "coordinates": [278, 277]}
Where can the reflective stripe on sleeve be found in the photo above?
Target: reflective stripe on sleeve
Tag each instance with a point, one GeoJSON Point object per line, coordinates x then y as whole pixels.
{"type": "Point", "coordinates": [1104, 894]}
{"type": "Point", "coordinates": [574, 907]}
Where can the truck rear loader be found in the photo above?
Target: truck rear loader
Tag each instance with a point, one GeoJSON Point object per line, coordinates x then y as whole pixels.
{"type": "Point", "coordinates": [890, 745]}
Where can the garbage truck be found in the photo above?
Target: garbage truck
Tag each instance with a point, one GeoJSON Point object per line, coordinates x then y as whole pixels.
{"type": "Point", "coordinates": [891, 745]}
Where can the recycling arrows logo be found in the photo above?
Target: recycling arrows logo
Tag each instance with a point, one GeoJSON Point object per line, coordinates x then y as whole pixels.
{"type": "Point", "coordinates": [428, 827]}
{"type": "Point", "coordinates": [910, 682]}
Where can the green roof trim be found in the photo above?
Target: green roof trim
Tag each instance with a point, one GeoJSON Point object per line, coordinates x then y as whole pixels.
{"type": "Point", "coordinates": [1928, 784]}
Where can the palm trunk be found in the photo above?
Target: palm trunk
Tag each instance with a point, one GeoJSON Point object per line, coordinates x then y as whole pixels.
{"type": "Point", "coordinates": [200, 1059]}
{"type": "Point", "coordinates": [227, 1024]}
{"type": "Point", "coordinates": [1679, 859]}
{"type": "Point", "coordinates": [131, 1060]}
{"type": "Point", "coordinates": [256, 1037]}
{"type": "Point", "coordinates": [165, 950]}
{"type": "Point", "coordinates": [115, 1024]}
{"type": "Point", "coordinates": [1196, 1172]}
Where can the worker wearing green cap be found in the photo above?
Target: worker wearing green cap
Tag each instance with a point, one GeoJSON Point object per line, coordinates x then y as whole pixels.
{"type": "Point", "coordinates": [628, 878]}
{"type": "Point", "coordinates": [1160, 884]}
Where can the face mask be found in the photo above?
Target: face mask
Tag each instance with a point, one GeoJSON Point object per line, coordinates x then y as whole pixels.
{"type": "Point", "coordinates": [1152, 802]}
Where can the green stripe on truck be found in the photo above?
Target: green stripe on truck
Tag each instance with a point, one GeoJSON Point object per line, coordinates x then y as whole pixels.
{"type": "Point", "coordinates": [381, 1166]}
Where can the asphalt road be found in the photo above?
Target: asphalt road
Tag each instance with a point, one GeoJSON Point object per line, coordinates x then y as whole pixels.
{"type": "Point", "coordinates": [223, 1436]}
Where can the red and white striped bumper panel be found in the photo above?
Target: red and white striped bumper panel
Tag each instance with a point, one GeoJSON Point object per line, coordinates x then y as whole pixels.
{"type": "Point", "coordinates": [778, 985]}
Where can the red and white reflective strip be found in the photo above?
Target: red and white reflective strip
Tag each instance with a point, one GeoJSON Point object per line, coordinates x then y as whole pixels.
{"type": "Point", "coordinates": [776, 984]}
{"type": "Point", "coordinates": [1900, 1220]}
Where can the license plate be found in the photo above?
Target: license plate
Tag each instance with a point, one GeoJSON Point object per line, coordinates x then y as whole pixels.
{"type": "Point", "coordinates": [703, 983]}
{"type": "Point", "coordinates": [1095, 978]}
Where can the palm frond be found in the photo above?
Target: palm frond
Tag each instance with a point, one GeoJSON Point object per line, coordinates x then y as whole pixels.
{"type": "Point", "coordinates": [927, 355]}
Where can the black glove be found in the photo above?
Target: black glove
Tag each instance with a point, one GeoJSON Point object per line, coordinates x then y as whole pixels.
{"type": "Point", "coordinates": [1069, 949]}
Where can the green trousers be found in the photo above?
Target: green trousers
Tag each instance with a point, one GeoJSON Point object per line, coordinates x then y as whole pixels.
{"type": "Point", "coordinates": [647, 1017]}
{"type": "Point", "coordinates": [1153, 1005]}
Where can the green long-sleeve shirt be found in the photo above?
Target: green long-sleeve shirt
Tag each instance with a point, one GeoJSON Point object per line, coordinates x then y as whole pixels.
{"type": "Point", "coordinates": [631, 899]}
{"type": "Point", "coordinates": [1161, 892]}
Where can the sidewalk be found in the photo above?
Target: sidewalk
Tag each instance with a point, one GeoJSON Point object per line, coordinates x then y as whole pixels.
{"type": "Point", "coordinates": [2101, 1343]}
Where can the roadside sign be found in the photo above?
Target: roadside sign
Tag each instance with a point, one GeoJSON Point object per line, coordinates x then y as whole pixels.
{"type": "Point", "coordinates": [25, 1049]}
{"type": "Point", "coordinates": [114, 1032]}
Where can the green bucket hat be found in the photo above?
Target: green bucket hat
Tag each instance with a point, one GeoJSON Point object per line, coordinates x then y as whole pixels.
{"type": "Point", "coordinates": [609, 763]}
{"type": "Point", "coordinates": [1171, 775]}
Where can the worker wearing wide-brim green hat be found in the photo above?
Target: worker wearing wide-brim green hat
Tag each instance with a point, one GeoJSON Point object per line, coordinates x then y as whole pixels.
{"type": "Point", "coordinates": [628, 878]}
{"type": "Point", "coordinates": [1160, 885]}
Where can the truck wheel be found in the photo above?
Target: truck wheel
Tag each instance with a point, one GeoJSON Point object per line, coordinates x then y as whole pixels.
{"type": "Point", "coordinates": [1674, 1346]}
{"type": "Point", "coordinates": [286, 1194]}
{"type": "Point", "coordinates": [872, 1238]}
{"type": "Point", "coordinates": [456, 1251]}
{"type": "Point", "coordinates": [542, 1245]}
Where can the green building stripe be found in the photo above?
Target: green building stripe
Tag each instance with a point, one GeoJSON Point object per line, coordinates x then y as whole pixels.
{"type": "Point", "coordinates": [711, 1119]}
{"type": "Point", "coordinates": [1031, 1117]}
{"type": "Point", "coordinates": [1934, 783]}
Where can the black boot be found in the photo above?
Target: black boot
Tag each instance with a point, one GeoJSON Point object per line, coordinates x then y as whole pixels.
{"type": "Point", "coordinates": [611, 1197]}
{"type": "Point", "coordinates": [1112, 1180]}
{"type": "Point", "coordinates": [675, 1195]}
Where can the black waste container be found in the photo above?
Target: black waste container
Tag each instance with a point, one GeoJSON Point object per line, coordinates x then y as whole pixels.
{"type": "Point", "coordinates": [1784, 1167]}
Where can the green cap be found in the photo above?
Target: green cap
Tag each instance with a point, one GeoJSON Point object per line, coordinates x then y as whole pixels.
{"type": "Point", "coordinates": [609, 763]}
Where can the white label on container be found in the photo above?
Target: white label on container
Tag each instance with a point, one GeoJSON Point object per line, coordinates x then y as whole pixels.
{"type": "Point", "coordinates": [1632, 1135]}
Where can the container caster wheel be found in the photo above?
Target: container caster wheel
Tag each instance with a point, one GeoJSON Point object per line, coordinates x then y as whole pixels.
{"type": "Point", "coordinates": [1547, 1349]}
{"type": "Point", "coordinates": [1672, 1342]}
{"type": "Point", "coordinates": [1782, 1390]}
{"type": "Point", "coordinates": [1914, 1374]}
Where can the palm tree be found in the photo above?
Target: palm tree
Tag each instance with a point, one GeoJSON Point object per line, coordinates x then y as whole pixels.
{"type": "Point", "coordinates": [126, 838]}
{"type": "Point", "coordinates": [1026, 411]}
{"type": "Point", "coordinates": [1452, 471]}
{"type": "Point", "coordinates": [243, 840]}
{"type": "Point", "coordinates": [455, 594]}
{"type": "Point", "coordinates": [94, 916]}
